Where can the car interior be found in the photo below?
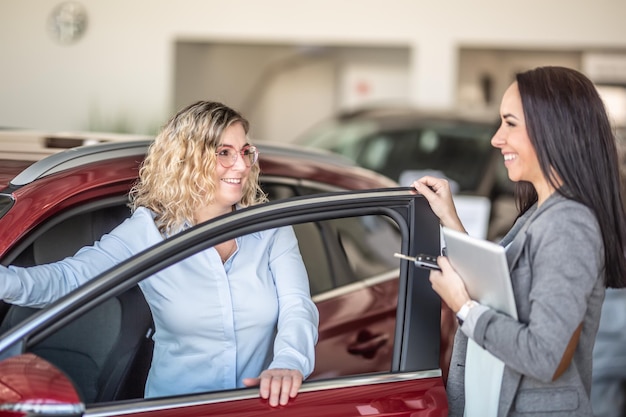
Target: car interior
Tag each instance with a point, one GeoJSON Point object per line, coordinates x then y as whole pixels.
{"type": "Point", "coordinates": [101, 350]}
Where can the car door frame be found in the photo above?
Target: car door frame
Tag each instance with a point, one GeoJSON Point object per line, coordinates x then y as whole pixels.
{"type": "Point", "coordinates": [415, 377]}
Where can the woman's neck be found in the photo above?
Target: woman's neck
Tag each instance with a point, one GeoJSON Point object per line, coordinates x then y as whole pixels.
{"type": "Point", "coordinates": [544, 191]}
{"type": "Point", "coordinates": [209, 212]}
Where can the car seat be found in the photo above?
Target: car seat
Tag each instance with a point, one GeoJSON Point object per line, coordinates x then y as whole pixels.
{"type": "Point", "coordinates": [105, 352]}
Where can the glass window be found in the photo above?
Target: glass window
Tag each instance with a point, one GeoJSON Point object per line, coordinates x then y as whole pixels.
{"type": "Point", "coordinates": [358, 320]}
{"type": "Point", "coordinates": [339, 252]}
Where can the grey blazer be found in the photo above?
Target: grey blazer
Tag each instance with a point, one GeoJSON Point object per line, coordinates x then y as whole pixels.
{"type": "Point", "coordinates": [556, 261]}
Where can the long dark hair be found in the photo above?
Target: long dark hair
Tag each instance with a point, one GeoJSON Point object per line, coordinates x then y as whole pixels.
{"type": "Point", "coordinates": [569, 128]}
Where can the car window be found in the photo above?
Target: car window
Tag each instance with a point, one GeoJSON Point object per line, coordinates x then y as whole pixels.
{"type": "Point", "coordinates": [375, 152]}
{"type": "Point", "coordinates": [58, 238]}
{"type": "Point", "coordinates": [338, 254]}
{"type": "Point", "coordinates": [109, 340]}
{"type": "Point", "coordinates": [289, 188]}
{"type": "Point", "coordinates": [368, 243]}
{"type": "Point", "coordinates": [83, 349]}
{"type": "Point", "coordinates": [341, 137]}
{"type": "Point", "coordinates": [276, 191]}
{"type": "Point", "coordinates": [354, 248]}
{"type": "Point", "coordinates": [63, 235]}
{"type": "Point", "coordinates": [344, 251]}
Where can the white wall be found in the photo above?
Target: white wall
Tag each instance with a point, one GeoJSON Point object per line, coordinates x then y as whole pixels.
{"type": "Point", "coordinates": [121, 72]}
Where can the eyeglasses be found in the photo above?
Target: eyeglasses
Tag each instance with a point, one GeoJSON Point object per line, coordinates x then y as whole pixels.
{"type": "Point", "coordinates": [227, 155]}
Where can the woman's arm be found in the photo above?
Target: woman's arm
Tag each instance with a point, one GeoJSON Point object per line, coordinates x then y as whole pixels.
{"type": "Point", "coordinates": [298, 319]}
{"type": "Point", "coordinates": [40, 285]}
{"type": "Point", "coordinates": [562, 264]}
{"type": "Point", "coordinates": [437, 192]}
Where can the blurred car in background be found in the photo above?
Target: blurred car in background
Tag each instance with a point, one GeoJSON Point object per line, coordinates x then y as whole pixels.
{"type": "Point", "coordinates": [403, 143]}
{"type": "Point", "coordinates": [364, 295]}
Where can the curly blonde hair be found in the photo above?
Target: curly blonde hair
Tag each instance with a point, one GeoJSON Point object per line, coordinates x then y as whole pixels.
{"type": "Point", "coordinates": [177, 175]}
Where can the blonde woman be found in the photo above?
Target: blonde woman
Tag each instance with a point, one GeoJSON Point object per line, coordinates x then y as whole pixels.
{"type": "Point", "coordinates": [237, 314]}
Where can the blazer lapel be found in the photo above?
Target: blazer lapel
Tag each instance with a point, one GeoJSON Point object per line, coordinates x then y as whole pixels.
{"type": "Point", "coordinates": [514, 240]}
{"type": "Point", "coordinates": [516, 237]}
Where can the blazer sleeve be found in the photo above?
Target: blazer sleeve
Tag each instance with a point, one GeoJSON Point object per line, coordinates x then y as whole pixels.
{"type": "Point", "coordinates": [562, 261]}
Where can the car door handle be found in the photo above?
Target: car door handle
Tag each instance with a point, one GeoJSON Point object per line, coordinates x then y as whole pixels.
{"type": "Point", "coordinates": [368, 343]}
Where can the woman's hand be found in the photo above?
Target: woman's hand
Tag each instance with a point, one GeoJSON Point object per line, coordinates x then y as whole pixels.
{"type": "Point", "coordinates": [277, 385]}
{"type": "Point", "coordinates": [437, 192]}
{"type": "Point", "coordinates": [449, 285]}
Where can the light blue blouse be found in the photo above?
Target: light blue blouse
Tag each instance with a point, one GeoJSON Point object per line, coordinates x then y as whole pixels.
{"type": "Point", "coordinates": [215, 323]}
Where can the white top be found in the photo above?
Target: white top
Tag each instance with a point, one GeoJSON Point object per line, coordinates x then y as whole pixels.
{"type": "Point", "coordinates": [483, 379]}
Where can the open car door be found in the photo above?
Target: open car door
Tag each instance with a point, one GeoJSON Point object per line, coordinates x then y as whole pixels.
{"type": "Point", "coordinates": [412, 386]}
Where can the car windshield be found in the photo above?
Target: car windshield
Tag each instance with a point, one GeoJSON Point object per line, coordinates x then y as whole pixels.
{"type": "Point", "coordinates": [342, 138]}
{"type": "Point", "coordinates": [458, 151]}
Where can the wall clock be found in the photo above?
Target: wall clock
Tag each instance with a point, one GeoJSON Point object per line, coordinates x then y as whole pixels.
{"type": "Point", "coordinates": [67, 22]}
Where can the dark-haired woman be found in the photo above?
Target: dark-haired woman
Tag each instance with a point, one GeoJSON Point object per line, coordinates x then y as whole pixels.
{"type": "Point", "coordinates": [566, 246]}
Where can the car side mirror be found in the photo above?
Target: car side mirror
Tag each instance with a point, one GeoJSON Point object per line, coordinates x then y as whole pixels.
{"type": "Point", "coordinates": [30, 386]}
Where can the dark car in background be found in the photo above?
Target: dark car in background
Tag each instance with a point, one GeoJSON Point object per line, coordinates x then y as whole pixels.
{"type": "Point", "coordinates": [384, 337]}
{"type": "Point", "coordinates": [404, 143]}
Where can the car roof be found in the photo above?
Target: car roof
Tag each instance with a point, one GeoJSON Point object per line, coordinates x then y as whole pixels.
{"type": "Point", "coordinates": [388, 119]}
{"type": "Point", "coordinates": [408, 114]}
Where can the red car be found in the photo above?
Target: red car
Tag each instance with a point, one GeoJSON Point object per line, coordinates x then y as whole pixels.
{"type": "Point", "coordinates": [381, 347]}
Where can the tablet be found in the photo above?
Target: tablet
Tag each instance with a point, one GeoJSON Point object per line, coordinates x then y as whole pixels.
{"type": "Point", "coordinates": [483, 266]}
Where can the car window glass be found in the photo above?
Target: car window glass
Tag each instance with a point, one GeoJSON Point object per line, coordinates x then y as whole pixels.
{"type": "Point", "coordinates": [375, 152]}
{"type": "Point", "coordinates": [388, 153]}
{"type": "Point", "coordinates": [339, 252]}
{"type": "Point", "coordinates": [315, 256]}
{"type": "Point", "coordinates": [461, 158]}
{"type": "Point", "coordinates": [83, 348]}
{"type": "Point", "coordinates": [461, 155]}
{"type": "Point", "coordinates": [368, 243]}
{"type": "Point", "coordinates": [341, 137]}
{"type": "Point", "coordinates": [106, 351]}
{"type": "Point", "coordinates": [56, 240]}
{"type": "Point", "coordinates": [275, 191]}
{"type": "Point", "coordinates": [358, 320]}
{"type": "Point", "coordinates": [64, 238]}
